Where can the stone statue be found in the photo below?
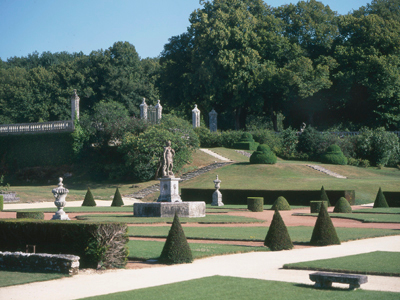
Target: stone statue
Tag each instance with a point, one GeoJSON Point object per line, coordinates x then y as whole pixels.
{"type": "Point", "coordinates": [168, 160]}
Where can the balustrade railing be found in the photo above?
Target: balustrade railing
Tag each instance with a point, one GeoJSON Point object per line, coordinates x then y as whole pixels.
{"type": "Point", "coordinates": [55, 126]}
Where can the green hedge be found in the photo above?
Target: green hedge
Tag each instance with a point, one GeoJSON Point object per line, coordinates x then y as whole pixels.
{"type": "Point", "coordinates": [32, 150]}
{"type": "Point", "coordinates": [255, 204]}
{"type": "Point", "coordinates": [38, 215]}
{"type": "Point", "coordinates": [315, 206]}
{"type": "Point", "coordinates": [239, 196]}
{"type": "Point", "coordinates": [97, 244]}
{"type": "Point", "coordinates": [1, 203]}
{"type": "Point", "coordinates": [392, 198]}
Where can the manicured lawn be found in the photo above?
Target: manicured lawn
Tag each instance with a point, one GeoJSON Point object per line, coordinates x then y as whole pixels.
{"type": "Point", "coordinates": [364, 217]}
{"type": "Point", "coordinates": [298, 234]}
{"type": "Point", "coordinates": [82, 209]}
{"type": "Point", "coordinates": [232, 288]}
{"type": "Point", "coordinates": [373, 263]}
{"type": "Point", "coordinates": [8, 278]}
{"type": "Point", "coordinates": [144, 250]}
{"type": "Point", "coordinates": [220, 219]}
{"type": "Point", "coordinates": [388, 210]}
{"type": "Point", "coordinates": [231, 154]}
{"type": "Point", "coordinates": [365, 181]}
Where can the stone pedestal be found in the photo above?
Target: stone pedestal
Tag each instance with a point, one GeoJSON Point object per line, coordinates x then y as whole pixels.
{"type": "Point", "coordinates": [217, 199]}
{"type": "Point", "coordinates": [196, 117]}
{"type": "Point", "coordinates": [60, 193]}
{"type": "Point", "coordinates": [195, 209]}
{"type": "Point", "coordinates": [213, 120]}
{"type": "Point", "coordinates": [169, 190]}
{"type": "Point", "coordinates": [143, 110]}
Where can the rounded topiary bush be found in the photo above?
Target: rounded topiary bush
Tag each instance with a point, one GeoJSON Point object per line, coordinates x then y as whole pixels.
{"type": "Point", "coordinates": [315, 206]}
{"type": "Point", "coordinates": [278, 237]}
{"type": "Point", "coordinates": [342, 206]}
{"type": "Point", "coordinates": [37, 215]}
{"type": "Point", "coordinates": [176, 248]}
{"type": "Point", "coordinates": [89, 200]}
{"type": "Point", "coordinates": [324, 232]}
{"type": "Point", "coordinates": [255, 204]}
{"type": "Point", "coordinates": [117, 200]}
{"type": "Point", "coordinates": [281, 204]}
{"type": "Point", "coordinates": [263, 155]}
{"type": "Point", "coordinates": [380, 200]}
{"type": "Point", "coordinates": [334, 156]}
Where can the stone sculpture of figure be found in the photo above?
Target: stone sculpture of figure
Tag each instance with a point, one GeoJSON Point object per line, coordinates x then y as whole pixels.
{"type": "Point", "coordinates": [303, 127]}
{"type": "Point", "coordinates": [168, 160]}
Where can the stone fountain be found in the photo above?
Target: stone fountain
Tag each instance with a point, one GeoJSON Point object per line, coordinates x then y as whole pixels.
{"type": "Point", "coordinates": [60, 193]}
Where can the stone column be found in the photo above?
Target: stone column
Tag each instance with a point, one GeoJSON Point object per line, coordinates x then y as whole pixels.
{"type": "Point", "coordinates": [196, 117]}
{"type": "Point", "coordinates": [74, 106]}
{"type": "Point", "coordinates": [143, 110]}
{"type": "Point", "coordinates": [217, 196]}
{"type": "Point", "coordinates": [213, 120]}
{"type": "Point", "coordinates": [158, 112]}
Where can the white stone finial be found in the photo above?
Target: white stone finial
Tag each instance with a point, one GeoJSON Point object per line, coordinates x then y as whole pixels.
{"type": "Point", "coordinates": [75, 106]}
{"type": "Point", "coordinates": [196, 117]}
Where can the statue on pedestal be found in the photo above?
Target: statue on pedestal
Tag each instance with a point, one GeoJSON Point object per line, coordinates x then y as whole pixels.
{"type": "Point", "coordinates": [168, 160]}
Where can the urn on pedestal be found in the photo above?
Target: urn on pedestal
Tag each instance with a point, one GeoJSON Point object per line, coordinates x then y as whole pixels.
{"type": "Point", "coordinates": [217, 196]}
{"type": "Point", "coordinates": [60, 193]}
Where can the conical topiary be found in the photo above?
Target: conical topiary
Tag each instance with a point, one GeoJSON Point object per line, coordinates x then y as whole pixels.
{"type": "Point", "coordinates": [342, 206]}
{"type": "Point", "coordinates": [117, 201]}
{"type": "Point", "coordinates": [281, 204]}
{"type": "Point", "coordinates": [278, 237]}
{"type": "Point", "coordinates": [176, 248]}
{"type": "Point", "coordinates": [324, 196]}
{"type": "Point", "coordinates": [380, 200]}
{"type": "Point", "coordinates": [324, 232]}
{"type": "Point", "coordinates": [89, 200]}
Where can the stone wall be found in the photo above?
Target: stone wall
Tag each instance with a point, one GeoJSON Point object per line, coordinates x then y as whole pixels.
{"type": "Point", "coordinates": [40, 262]}
{"type": "Point", "coordinates": [56, 126]}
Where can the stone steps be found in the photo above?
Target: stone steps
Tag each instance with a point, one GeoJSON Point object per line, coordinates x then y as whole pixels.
{"type": "Point", "coordinates": [326, 171]}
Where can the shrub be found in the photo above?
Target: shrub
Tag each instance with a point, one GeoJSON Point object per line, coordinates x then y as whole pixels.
{"type": "Point", "coordinates": [342, 206]}
{"type": "Point", "coordinates": [230, 137]}
{"type": "Point", "coordinates": [378, 146]}
{"type": "Point", "coordinates": [246, 142]}
{"type": "Point", "coordinates": [334, 156]}
{"type": "Point", "coordinates": [324, 232]}
{"type": "Point", "coordinates": [255, 204]}
{"type": "Point", "coordinates": [380, 200]}
{"type": "Point", "coordinates": [176, 248]}
{"type": "Point", "coordinates": [278, 237]}
{"type": "Point", "coordinates": [324, 196]}
{"type": "Point", "coordinates": [117, 200]}
{"type": "Point", "coordinates": [38, 215]}
{"type": "Point", "coordinates": [315, 206]}
{"type": "Point", "coordinates": [89, 200]}
{"type": "Point", "coordinates": [281, 204]}
{"type": "Point", "coordinates": [353, 161]}
{"type": "Point", "coordinates": [309, 142]}
{"type": "Point", "coordinates": [263, 155]}
{"type": "Point", "coordinates": [97, 244]}
{"type": "Point", "coordinates": [1, 203]}
{"type": "Point", "coordinates": [208, 138]}
{"type": "Point", "coordinates": [289, 140]}
{"type": "Point", "coordinates": [268, 137]}
{"type": "Point", "coordinates": [364, 163]}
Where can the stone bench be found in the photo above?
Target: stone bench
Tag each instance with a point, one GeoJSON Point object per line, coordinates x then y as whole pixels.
{"type": "Point", "coordinates": [324, 280]}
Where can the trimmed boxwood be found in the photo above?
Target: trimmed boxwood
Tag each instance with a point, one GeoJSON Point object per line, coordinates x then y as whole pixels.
{"type": "Point", "coordinates": [380, 200]}
{"type": "Point", "coordinates": [315, 206]}
{"type": "Point", "coordinates": [281, 204]}
{"type": "Point", "coordinates": [117, 200]}
{"type": "Point", "coordinates": [89, 200]}
{"type": "Point", "coordinates": [246, 142]}
{"type": "Point", "coordinates": [342, 206]}
{"type": "Point", "coordinates": [38, 215]}
{"type": "Point", "coordinates": [324, 196]}
{"type": "Point", "coordinates": [176, 249]}
{"type": "Point", "coordinates": [255, 204]}
{"type": "Point", "coordinates": [334, 155]}
{"type": "Point", "coordinates": [239, 196]}
{"type": "Point", "coordinates": [1, 203]}
{"type": "Point", "coordinates": [324, 233]}
{"type": "Point", "coordinates": [278, 237]}
{"type": "Point", "coordinates": [98, 244]}
{"type": "Point", "coordinates": [263, 155]}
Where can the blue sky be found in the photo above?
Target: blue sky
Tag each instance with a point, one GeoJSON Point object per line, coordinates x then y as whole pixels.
{"type": "Point", "coordinates": [86, 25]}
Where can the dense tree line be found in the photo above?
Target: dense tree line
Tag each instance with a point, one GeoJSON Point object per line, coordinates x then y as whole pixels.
{"type": "Point", "coordinates": [249, 61]}
{"type": "Point", "coordinates": [245, 58]}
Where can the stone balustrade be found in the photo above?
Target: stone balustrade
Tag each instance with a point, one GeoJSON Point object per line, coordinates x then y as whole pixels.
{"type": "Point", "coordinates": [20, 261]}
{"type": "Point", "coordinates": [56, 126]}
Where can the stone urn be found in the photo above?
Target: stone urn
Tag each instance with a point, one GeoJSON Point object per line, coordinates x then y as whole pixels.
{"type": "Point", "coordinates": [60, 193]}
{"type": "Point", "coordinates": [217, 196]}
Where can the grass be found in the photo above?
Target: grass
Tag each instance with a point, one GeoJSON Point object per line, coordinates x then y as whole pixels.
{"type": "Point", "coordinates": [385, 210]}
{"type": "Point", "coordinates": [232, 288]}
{"type": "Point", "coordinates": [364, 217]}
{"type": "Point", "coordinates": [144, 250]}
{"type": "Point", "coordinates": [298, 234]}
{"type": "Point", "coordinates": [365, 181]}
{"type": "Point", "coordinates": [213, 219]}
{"type": "Point", "coordinates": [373, 263]}
{"type": "Point", "coordinates": [80, 209]}
{"type": "Point", "coordinates": [8, 278]}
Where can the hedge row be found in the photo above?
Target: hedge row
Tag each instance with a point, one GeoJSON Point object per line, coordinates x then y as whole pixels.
{"type": "Point", "coordinates": [233, 196]}
{"type": "Point", "coordinates": [97, 244]}
{"type": "Point", "coordinates": [392, 198]}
